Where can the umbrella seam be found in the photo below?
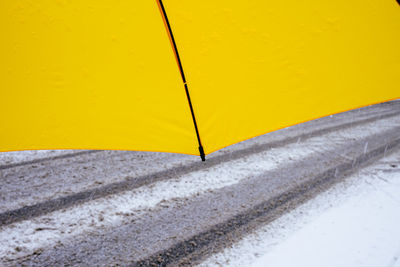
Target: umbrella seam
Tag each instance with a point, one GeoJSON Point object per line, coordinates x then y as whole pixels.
{"type": "Point", "coordinates": [178, 60]}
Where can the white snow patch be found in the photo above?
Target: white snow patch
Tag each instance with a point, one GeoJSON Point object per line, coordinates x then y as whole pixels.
{"type": "Point", "coordinates": [356, 223]}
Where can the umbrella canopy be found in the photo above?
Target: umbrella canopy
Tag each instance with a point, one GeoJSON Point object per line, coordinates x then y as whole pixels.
{"type": "Point", "coordinates": [138, 75]}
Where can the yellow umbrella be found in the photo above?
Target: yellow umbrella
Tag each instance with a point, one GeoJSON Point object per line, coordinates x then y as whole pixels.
{"type": "Point", "coordinates": [103, 74]}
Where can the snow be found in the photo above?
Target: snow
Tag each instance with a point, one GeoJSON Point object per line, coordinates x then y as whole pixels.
{"type": "Point", "coordinates": [356, 223]}
{"type": "Point", "coordinates": [359, 232]}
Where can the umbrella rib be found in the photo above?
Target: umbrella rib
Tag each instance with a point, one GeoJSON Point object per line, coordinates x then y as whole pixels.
{"type": "Point", "coordinates": [178, 60]}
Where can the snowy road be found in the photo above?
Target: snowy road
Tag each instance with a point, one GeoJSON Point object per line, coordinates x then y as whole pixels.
{"type": "Point", "coordinates": [120, 208]}
{"type": "Point", "coordinates": [353, 224]}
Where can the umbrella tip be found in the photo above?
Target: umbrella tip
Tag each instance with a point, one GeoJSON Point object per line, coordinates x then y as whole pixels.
{"type": "Point", "coordinates": [202, 154]}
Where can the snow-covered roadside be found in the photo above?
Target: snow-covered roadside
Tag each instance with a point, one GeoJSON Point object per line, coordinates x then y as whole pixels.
{"type": "Point", "coordinates": [356, 223]}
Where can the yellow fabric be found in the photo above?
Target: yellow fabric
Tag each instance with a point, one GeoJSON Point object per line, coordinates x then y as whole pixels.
{"type": "Point", "coordinates": [93, 74]}
{"type": "Point", "coordinates": [256, 66]}
{"type": "Point", "coordinates": [101, 74]}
